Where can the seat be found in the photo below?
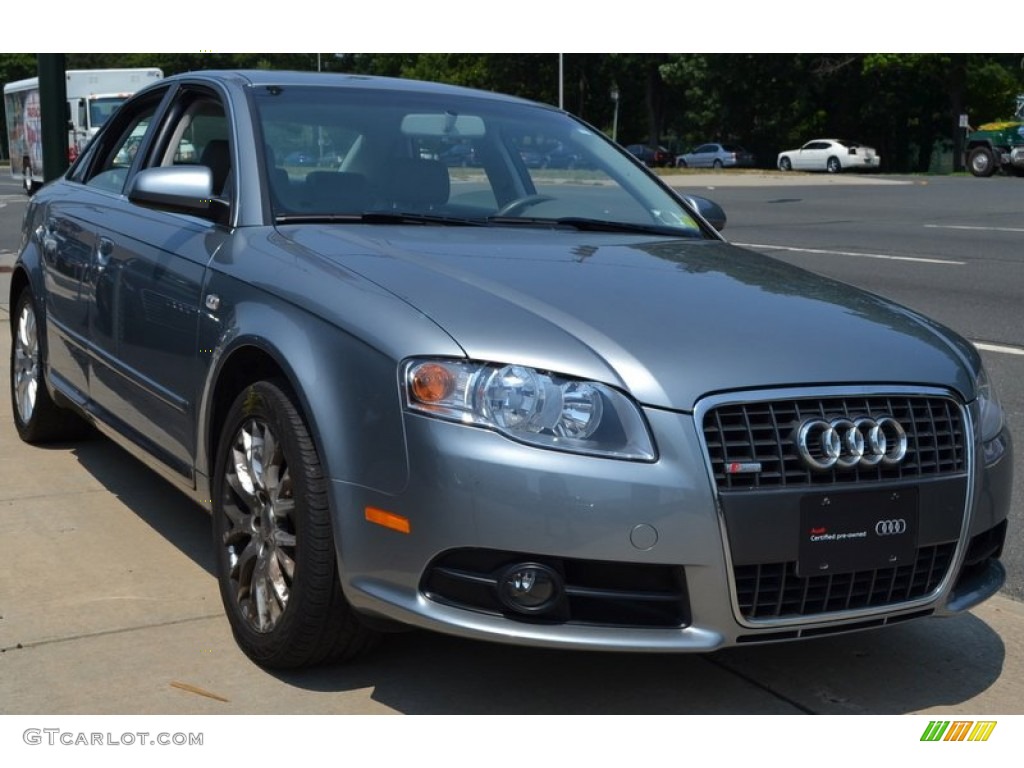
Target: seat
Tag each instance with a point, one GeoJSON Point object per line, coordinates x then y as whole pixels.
{"type": "Point", "coordinates": [217, 157]}
{"type": "Point", "coordinates": [414, 184]}
{"type": "Point", "coordinates": [280, 183]}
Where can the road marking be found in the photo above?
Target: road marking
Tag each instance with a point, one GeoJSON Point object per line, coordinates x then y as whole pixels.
{"type": "Point", "coordinates": [976, 229]}
{"type": "Point", "coordinates": [889, 257]}
{"type": "Point", "coordinates": [1000, 348]}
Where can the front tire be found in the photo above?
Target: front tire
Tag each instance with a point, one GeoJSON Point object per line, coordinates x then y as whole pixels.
{"type": "Point", "coordinates": [37, 417]}
{"type": "Point", "coordinates": [785, 164]}
{"type": "Point", "coordinates": [981, 162]}
{"type": "Point", "coordinates": [275, 554]}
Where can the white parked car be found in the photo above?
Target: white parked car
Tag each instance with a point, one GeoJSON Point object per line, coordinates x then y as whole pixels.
{"type": "Point", "coordinates": [832, 155]}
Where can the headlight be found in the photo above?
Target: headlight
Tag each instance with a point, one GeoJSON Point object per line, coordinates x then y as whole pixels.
{"type": "Point", "coordinates": [990, 420]}
{"type": "Point", "coordinates": [990, 413]}
{"type": "Point", "coordinates": [531, 406]}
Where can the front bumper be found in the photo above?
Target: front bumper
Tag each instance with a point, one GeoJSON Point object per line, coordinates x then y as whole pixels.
{"type": "Point", "coordinates": [645, 549]}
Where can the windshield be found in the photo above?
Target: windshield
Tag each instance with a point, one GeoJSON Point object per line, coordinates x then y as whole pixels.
{"type": "Point", "coordinates": [374, 155]}
{"type": "Point", "coordinates": [101, 108]}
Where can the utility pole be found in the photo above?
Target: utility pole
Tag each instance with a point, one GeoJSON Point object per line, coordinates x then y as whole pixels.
{"type": "Point", "coordinates": [561, 81]}
{"type": "Point", "coordinates": [53, 108]}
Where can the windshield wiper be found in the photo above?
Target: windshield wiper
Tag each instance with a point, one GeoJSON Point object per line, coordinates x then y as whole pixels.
{"type": "Point", "coordinates": [594, 225]}
{"type": "Point", "coordinates": [377, 217]}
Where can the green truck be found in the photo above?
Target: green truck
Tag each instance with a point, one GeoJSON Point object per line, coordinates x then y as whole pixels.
{"type": "Point", "coordinates": [996, 146]}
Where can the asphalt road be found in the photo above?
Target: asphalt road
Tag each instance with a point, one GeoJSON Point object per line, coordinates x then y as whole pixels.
{"type": "Point", "coordinates": [108, 603]}
{"type": "Point", "coordinates": [950, 247]}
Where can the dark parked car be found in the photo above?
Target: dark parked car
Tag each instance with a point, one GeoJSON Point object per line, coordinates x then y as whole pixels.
{"type": "Point", "coordinates": [716, 156]}
{"type": "Point", "coordinates": [522, 407]}
{"type": "Point", "coordinates": [562, 156]}
{"type": "Point", "coordinates": [652, 157]}
{"type": "Point", "coordinates": [533, 156]}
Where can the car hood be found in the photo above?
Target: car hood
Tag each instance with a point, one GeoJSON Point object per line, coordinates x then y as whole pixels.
{"type": "Point", "coordinates": [670, 320]}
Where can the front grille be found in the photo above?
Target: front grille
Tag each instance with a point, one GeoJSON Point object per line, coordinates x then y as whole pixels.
{"type": "Point", "coordinates": [596, 592]}
{"type": "Point", "coordinates": [774, 591]}
{"type": "Point", "coordinates": [764, 434]}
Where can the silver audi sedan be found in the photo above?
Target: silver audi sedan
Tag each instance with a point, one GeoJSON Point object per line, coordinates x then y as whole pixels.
{"type": "Point", "coordinates": [550, 407]}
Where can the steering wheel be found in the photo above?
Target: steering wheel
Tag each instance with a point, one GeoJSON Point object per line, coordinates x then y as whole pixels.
{"type": "Point", "coordinates": [520, 204]}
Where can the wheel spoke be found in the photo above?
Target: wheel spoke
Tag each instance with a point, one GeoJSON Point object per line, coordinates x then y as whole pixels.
{"type": "Point", "coordinates": [26, 396]}
{"type": "Point", "coordinates": [240, 526]}
{"type": "Point", "coordinates": [244, 566]}
{"type": "Point", "coordinates": [241, 483]}
{"type": "Point", "coordinates": [253, 442]}
{"type": "Point", "coordinates": [26, 367]}
{"type": "Point", "coordinates": [281, 499]}
{"type": "Point", "coordinates": [284, 539]}
{"type": "Point", "coordinates": [259, 538]}
{"type": "Point", "coordinates": [280, 571]}
{"type": "Point", "coordinates": [27, 330]}
{"type": "Point", "coordinates": [269, 591]}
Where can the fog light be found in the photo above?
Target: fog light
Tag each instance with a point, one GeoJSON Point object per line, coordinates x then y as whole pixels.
{"type": "Point", "coordinates": [529, 587]}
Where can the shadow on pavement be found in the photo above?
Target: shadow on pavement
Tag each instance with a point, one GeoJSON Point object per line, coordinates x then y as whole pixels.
{"type": "Point", "coordinates": [933, 663]}
{"type": "Point", "coordinates": [154, 500]}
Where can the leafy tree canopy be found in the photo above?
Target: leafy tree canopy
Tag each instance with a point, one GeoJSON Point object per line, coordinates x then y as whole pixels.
{"type": "Point", "coordinates": [906, 105]}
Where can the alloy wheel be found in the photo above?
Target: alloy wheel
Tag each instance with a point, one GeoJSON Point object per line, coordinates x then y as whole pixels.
{"type": "Point", "coordinates": [26, 363]}
{"type": "Point", "coordinates": [259, 536]}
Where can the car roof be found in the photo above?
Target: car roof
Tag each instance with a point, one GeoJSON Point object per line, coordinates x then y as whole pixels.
{"type": "Point", "coordinates": [269, 77]}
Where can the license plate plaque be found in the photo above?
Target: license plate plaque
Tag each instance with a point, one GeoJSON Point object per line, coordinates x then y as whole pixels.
{"type": "Point", "coordinates": [844, 532]}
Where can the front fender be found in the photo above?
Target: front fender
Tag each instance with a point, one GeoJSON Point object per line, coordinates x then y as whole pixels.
{"type": "Point", "coordinates": [347, 390]}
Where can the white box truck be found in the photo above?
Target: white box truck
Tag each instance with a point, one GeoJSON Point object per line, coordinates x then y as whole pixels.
{"type": "Point", "coordinates": [93, 95]}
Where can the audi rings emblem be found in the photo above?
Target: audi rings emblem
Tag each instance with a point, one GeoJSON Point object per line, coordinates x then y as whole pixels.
{"type": "Point", "coordinates": [890, 527]}
{"type": "Point", "coordinates": [845, 443]}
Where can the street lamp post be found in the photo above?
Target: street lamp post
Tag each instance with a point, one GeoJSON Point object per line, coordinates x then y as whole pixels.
{"type": "Point", "coordinates": [561, 81]}
{"type": "Point", "coordinates": [615, 116]}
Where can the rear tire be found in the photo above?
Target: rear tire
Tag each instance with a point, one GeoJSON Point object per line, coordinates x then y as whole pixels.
{"type": "Point", "coordinates": [276, 562]}
{"type": "Point", "coordinates": [37, 417]}
{"type": "Point", "coordinates": [833, 165]}
{"type": "Point", "coordinates": [27, 181]}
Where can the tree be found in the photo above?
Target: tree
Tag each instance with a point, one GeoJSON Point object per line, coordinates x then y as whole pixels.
{"type": "Point", "coordinates": [13, 66]}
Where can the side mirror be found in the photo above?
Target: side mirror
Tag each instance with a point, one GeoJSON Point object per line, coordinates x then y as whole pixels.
{"type": "Point", "coordinates": [180, 188]}
{"type": "Point", "coordinates": [711, 211]}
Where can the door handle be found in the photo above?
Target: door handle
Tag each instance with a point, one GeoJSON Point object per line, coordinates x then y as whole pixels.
{"type": "Point", "coordinates": [104, 249]}
{"type": "Point", "coordinates": [45, 235]}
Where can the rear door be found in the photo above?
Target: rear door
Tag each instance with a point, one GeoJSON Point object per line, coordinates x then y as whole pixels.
{"type": "Point", "coordinates": [73, 247]}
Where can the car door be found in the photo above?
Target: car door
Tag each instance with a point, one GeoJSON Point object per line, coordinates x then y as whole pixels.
{"type": "Point", "coordinates": [71, 246]}
{"type": "Point", "coordinates": [146, 287]}
{"type": "Point", "coordinates": [703, 156]}
{"type": "Point", "coordinates": [813, 155]}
